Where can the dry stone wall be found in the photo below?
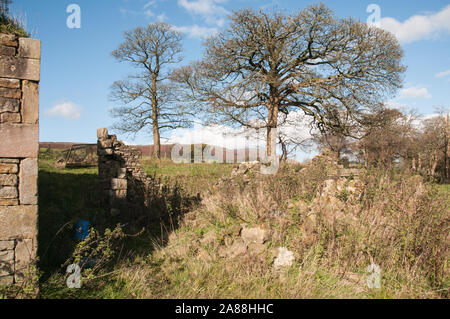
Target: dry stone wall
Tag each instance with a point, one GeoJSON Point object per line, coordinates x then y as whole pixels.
{"type": "Point", "coordinates": [19, 147]}
{"type": "Point", "coordinates": [123, 181]}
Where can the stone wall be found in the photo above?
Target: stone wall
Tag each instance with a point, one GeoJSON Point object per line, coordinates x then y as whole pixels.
{"type": "Point", "coordinates": [123, 181]}
{"type": "Point", "coordinates": [19, 147]}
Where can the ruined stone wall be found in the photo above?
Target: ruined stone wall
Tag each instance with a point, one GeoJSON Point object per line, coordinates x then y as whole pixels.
{"type": "Point", "coordinates": [19, 147]}
{"type": "Point", "coordinates": [123, 181]}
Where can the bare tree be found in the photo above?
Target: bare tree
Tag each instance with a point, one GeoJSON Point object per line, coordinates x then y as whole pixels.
{"type": "Point", "coordinates": [434, 144]}
{"type": "Point", "coordinates": [268, 63]}
{"type": "Point", "coordinates": [148, 98]}
{"type": "Point", "coordinates": [389, 137]}
{"type": "Point", "coordinates": [4, 7]}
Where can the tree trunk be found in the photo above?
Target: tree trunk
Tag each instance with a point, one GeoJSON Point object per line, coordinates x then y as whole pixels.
{"type": "Point", "coordinates": [156, 137]}
{"type": "Point", "coordinates": [283, 150]}
{"type": "Point", "coordinates": [434, 165]}
{"type": "Point", "coordinates": [271, 129]}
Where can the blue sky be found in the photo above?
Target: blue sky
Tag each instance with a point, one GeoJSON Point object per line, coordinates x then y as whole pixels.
{"type": "Point", "coordinates": [77, 68]}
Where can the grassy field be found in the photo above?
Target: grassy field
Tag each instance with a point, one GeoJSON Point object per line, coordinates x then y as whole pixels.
{"type": "Point", "coordinates": [399, 223]}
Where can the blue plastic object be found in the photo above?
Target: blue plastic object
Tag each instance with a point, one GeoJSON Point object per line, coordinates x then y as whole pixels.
{"type": "Point", "coordinates": [82, 230]}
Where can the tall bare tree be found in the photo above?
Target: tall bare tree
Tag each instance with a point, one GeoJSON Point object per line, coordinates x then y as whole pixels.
{"type": "Point", "coordinates": [148, 98]}
{"type": "Point", "coordinates": [268, 63]}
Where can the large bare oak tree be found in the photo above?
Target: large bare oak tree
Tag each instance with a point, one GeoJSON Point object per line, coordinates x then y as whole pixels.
{"type": "Point", "coordinates": [148, 99]}
{"type": "Point", "coordinates": [267, 64]}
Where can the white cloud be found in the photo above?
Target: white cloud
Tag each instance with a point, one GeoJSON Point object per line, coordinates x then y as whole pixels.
{"type": "Point", "coordinates": [419, 27]}
{"type": "Point", "coordinates": [162, 17]}
{"type": "Point", "coordinates": [65, 109]}
{"type": "Point", "coordinates": [208, 9]}
{"type": "Point", "coordinates": [196, 31]}
{"type": "Point", "coordinates": [415, 92]}
{"type": "Point", "coordinates": [216, 135]}
{"type": "Point", "coordinates": [443, 74]}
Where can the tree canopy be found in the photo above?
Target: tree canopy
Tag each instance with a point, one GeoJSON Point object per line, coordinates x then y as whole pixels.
{"type": "Point", "coordinates": [267, 64]}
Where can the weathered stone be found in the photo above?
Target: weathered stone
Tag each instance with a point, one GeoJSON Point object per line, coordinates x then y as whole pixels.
{"type": "Point", "coordinates": [7, 245]}
{"type": "Point", "coordinates": [118, 184]}
{"type": "Point", "coordinates": [25, 253]}
{"type": "Point", "coordinates": [6, 255]}
{"type": "Point", "coordinates": [4, 50]}
{"type": "Point", "coordinates": [10, 93]}
{"type": "Point", "coordinates": [10, 160]}
{"type": "Point", "coordinates": [122, 173]}
{"type": "Point", "coordinates": [9, 83]}
{"type": "Point", "coordinates": [6, 262]}
{"type": "Point", "coordinates": [256, 249]}
{"type": "Point", "coordinates": [8, 168]}
{"type": "Point", "coordinates": [28, 181]}
{"type": "Point", "coordinates": [105, 151]}
{"type": "Point", "coordinates": [29, 48]}
{"type": "Point", "coordinates": [8, 40]}
{"type": "Point", "coordinates": [6, 280]}
{"type": "Point", "coordinates": [238, 248]}
{"type": "Point", "coordinates": [9, 105]}
{"type": "Point", "coordinates": [105, 143]}
{"type": "Point", "coordinates": [8, 180]}
{"type": "Point", "coordinates": [285, 258]}
{"type": "Point", "coordinates": [18, 222]}
{"type": "Point", "coordinates": [9, 202]}
{"type": "Point", "coordinates": [120, 194]}
{"type": "Point", "coordinates": [19, 141]}
{"type": "Point", "coordinates": [8, 192]}
{"type": "Point", "coordinates": [10, 118]}
{"type": "Point", "coordinates": [30, 102]}
{"type": "Point", "coordinates": [20, 68]}
{"type": "Point", "coordinates": [254, 235]}
{"type": "Point", "coordinates": [102, 133]}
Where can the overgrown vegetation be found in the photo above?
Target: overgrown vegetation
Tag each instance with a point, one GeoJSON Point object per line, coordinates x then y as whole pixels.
{"type": "Point", "coordinates": [8, 24]}
{"type": "Point", "coordinates": [388, 217]}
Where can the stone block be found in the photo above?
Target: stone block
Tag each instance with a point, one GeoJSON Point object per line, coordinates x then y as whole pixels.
{"type": "Point", "coordinates": [8, 180]}
{"type": "Point", "coordinates": [28, 181]}
{"type": "Point", "coordinates": [9, 168]}
{"type": "Point", "coordinates": [10, 118]}
{"type": "Point", "coordinates": [102, 133]}
{"type": "Point", "coordinates": [254, 235]}
{"type": "Point", "coordinates": [8, 192]}
{"type": "Point", "coordinates": [9, 105]}
{"type": "Point", "coordinates": [8, 40]}
{"type": "Point", "coordinates": [29, 48]}
{"type": "Point", "coordinates": [25, 253]}
{"type": "Point", "coordinates": [20, 68]}
{"type": "Point", "coordinates": [10, 93]}
{"type": "Point", "coordinates": [6, 256]}
{"type": "Point", "coordinates": [9, 83]}
{"type": "Point", "coordinates": [7, 245]}
{"type": "Point", "coordinates": [18, 222]}
{"type": "Point", "coordinates": [9, 202]}
{"type": "Point", "coordinates": [105, 143]}
{"type": "Point", "coordinates": [6, 263]}
{"type": "Point", "coordinates": [30, 102]}
{"type": "Point", "coordinates": [20, 141]}
{"type": "Point", "coordinates": [9, 160]}
{"type": "Point", "coordinates": [118, 184]}
{"type": "Point", "coordinates": [121, 173]}
{"type": "Point", "coordinates": [5, 51]}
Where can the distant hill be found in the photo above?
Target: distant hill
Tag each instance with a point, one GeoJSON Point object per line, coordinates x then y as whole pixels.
{"type": "Point", "coordinates": [147, 150]}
